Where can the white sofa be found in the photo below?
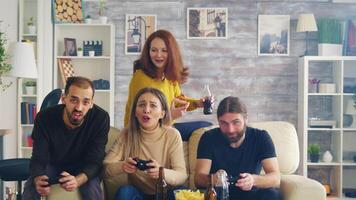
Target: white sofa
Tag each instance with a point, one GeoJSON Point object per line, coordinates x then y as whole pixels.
{"type": "Point", "coordinates": [284, 136]}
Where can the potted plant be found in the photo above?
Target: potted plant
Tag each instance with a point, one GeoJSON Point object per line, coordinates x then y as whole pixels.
{"type": "Point", "coordinates": [30, 87]}
{"type": "Point", "coordinates": [79, 51]}
{"type": "Point", "coordinates": [314, 150]}
{"type": "Point", "coordinates": [329, 37]}
{"type": "Point", "coordinates": [5, 67]}
{"type": "Point", "coordinates": [102, 18]}
{"type": "Point", "coordinates": [31, 28]}
{"type": "Point", "coordinates": [87, 19]}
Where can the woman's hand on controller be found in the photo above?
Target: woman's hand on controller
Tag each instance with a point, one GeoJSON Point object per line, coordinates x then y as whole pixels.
{"type": "Point", "coordinates": [129, 166]}
{"type": "Point", "coordinates": [153, 171]}
{"type": "Point", "coordinates": [68, 182]}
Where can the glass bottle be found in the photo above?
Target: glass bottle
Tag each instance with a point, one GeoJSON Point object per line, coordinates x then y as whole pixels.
{"type": "Point", "coordinates": [210, 193]}
{"type": "Point", "coordinates": [161, 186]}
{"type": "Point", "coordinates": [208, 109]}
{"type": "Point", "coordinates": [222, 186]}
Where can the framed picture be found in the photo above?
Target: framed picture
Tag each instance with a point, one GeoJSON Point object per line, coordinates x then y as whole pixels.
{"type": "Point", "coordinates": [207, 23]}
{"type": "Point", "coordinates": [273, 35]}
{"type": "Point", "coordinates": [138, 28]}
{"type": "Point", "coordinates": [68, 11]}
{"type": "Point", "coordinates": [70, 47]}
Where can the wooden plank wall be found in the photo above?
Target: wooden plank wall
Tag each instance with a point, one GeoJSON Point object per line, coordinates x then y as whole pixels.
{"type": "Point", "coordinates": [268, 85]}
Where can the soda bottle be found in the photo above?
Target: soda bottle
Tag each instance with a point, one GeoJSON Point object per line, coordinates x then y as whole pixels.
{"type": "Point", "coordinates": [222, 186]}
{"type": "Point", "coordinates": [210, 193]}
{"type": "Point", "coordinates": [161, 186]}
{"type": "Point", "coordinates": [208, 109]}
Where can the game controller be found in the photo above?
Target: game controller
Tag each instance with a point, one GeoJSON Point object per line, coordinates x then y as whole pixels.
{"type": "Point", "coordinates": [142, 164]}
{"type": "Point", "coordinates": [54, 180]}
{"type": "Point", "coordinates": [232, 179]}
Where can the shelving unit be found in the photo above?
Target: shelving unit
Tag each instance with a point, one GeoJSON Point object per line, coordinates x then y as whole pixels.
{"type": "Point", "coordinates": [94, 68]}
{"type": "Point", "coordinates": [27, 9]}
{"type": "Point", "coordinates": [329, 106]}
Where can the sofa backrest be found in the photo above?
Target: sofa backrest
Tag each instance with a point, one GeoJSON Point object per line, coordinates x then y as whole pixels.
{"type": "Point", "coordinates": [284, 137]}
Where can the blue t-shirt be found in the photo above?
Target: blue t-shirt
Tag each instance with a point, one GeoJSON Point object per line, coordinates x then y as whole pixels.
{"type": "Point", "coordinates": [247, 158]}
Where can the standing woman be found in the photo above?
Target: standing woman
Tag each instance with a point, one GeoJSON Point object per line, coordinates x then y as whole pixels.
{"type": "Point", "coordinates": [148, 136]}
{"type": "Point", "coordinates": [160, 66]}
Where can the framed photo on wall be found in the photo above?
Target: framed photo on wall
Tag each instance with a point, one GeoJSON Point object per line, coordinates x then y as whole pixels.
{"type": "Point", "coordinates": [207, 23]}
{"type": "Point", "coordinates": [138, 28]}
{"type": "Point", "coordinates": [273, 35]}
{"type": "Point", "coordinates": [68, 11]}
{"type": "Point", "coordinates": [70, 47]}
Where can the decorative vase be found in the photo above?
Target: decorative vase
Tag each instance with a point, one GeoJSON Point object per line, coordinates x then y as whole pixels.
{"type": "Point", "coordinates": [88, 20]}
{"type": "Point", "coordinates": [91, 53]}
{"type": "Point", "coordinates": [314, 157]}
{"type": "Point", "coordinates": [31, 30]}
{"type": "Point", "coordinates": [327, 157]}
{"type": "Point", "coordinates": [103, 19]}
{"type": "Point", "coordinates": [30, 90]}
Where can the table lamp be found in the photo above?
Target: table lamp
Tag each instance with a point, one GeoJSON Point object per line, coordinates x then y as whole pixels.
{"type": "Point", "coordinates": [22, 59]}
{"type": "Point", "coordinates": [306, 23]}
{"type": "Point", "coordinates": [351, 110]}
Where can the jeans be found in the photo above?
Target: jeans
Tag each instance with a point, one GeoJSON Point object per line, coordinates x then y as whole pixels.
{"type": "Point", "coordinates": [130, 192]}
{"type": "Point", "coordinates": [257, 194]}
{"type": "Point", "coordinates": [90, 190]}
{"type": "Point", "coordinates": [187, 128]}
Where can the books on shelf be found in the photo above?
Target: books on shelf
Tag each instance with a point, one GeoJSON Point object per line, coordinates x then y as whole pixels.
{"type": "Point", "coordinates": [28, 112]}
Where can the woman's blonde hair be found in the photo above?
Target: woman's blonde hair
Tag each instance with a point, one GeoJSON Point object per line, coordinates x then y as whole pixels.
{"type": "Point", "coordinates": [133, 134]}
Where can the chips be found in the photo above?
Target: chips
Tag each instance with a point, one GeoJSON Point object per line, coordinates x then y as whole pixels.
{"type": "Point", "coordinates": [188, 195]}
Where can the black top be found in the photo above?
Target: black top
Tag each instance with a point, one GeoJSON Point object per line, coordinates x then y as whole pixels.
{"type": "Point", "coordinates": [247, 158]}
{"type": "Point", "coordinates": [79, 150]}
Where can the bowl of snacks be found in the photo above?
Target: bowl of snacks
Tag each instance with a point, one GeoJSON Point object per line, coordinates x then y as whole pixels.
{"type": "Point", "coordinates": [186, 194]}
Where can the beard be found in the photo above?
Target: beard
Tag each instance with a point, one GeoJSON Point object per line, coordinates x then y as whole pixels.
{"type": "Point", "coordinates": [237, 137]}
{"type": "Point", "coordinates": [73, 121]}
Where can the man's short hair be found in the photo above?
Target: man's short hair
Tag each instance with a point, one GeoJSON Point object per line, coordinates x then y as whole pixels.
{"type": "Point", "coordinates": [80, 82]}
{"type": "Point", "coordinates": [231, 104]}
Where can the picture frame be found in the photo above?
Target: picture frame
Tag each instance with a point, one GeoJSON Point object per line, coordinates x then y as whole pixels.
{"type": "Point", "coordinates": [138, 27]}
{"type": "Point", "coordinates": [273, 35]}
{"type": "Point", "coordinates": [207, 23]}
{"type": "Point", "coordinates": [69, 11]}
{"type": "Point", "coordinates": [70, 47]}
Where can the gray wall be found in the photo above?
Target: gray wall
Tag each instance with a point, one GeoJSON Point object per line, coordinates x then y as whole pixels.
{"type": "Point", "coordinates": [268, 85]}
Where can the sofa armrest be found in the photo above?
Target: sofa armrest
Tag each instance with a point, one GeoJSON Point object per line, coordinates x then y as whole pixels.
{"type": "Point", "coordinates": [193, 147]}
{"type": "Point", "coordinates": [296, 187]}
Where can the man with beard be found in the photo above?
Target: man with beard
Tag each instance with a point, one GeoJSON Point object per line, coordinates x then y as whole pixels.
{"type": "Point", "coordinates": [69, 144]}
{"type": "Point", "coordinates": [241, 151]}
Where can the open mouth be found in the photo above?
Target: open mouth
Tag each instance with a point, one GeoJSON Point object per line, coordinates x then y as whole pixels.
{"type": "Point", "coordinates": [145, 118]}
{"type": "Point", "coordinates": [76, 115]}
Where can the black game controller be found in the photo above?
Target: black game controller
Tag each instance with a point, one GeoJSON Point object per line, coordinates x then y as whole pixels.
{"type": "Point", "coordinates": [232, 179]}
{"type": "Point", "coordinates": [142, 164]}
{"type": "Point", "coordinates": [54, 180]}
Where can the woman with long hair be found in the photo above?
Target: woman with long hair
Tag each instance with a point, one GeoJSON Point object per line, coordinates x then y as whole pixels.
{"type": "Point", "coordinates": [148, 137]}
{"type": "Point", "coordinates": [160, 66]}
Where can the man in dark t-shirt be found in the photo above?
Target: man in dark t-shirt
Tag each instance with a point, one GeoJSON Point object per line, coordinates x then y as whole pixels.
{"type": "Point", "coordinates": [241, 152]}
{"type": "Point", "coordinates": [69, 144]}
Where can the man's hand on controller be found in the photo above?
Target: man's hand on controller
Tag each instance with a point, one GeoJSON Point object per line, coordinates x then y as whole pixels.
{"type": "Point", "coordinates": [42, 186]}
{"type": "Point", "coordinates": [68, 182]}
{"type": "Point", "coordinates": [245, 182]}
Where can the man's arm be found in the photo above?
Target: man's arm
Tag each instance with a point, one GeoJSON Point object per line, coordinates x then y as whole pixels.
{"type": "Point", "coordinates": [270, 179]}
{"type": "Point", "coordinates": [202, 169]}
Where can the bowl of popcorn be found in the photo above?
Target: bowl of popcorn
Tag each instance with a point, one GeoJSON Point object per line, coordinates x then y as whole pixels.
{"type": "Point", "coordinates": [184, 194]}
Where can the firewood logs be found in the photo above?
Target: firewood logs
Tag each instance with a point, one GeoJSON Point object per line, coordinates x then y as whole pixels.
{"type": "Point", "coordinates": [69, 11]}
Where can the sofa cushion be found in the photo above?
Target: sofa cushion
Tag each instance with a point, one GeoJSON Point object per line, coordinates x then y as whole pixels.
{"type": "Point", "coordinates": [285, 140]}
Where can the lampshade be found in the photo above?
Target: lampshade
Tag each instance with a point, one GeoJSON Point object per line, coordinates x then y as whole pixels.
{"type": "Point", "coordinates": [306, 22]}
{"type": "Point", "coordinates": [22, 59]}
{"type": "Point", "coordinates": [349, 108]}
